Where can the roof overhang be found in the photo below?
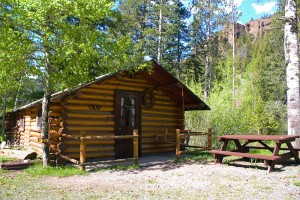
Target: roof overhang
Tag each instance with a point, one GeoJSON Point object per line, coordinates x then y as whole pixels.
{"type": "Point", "coordinates": [159, 77]}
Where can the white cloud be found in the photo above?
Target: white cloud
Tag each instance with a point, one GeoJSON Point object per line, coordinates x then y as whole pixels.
{"type": "Point", "coordinates": [238, 2]}
{"type": "Point", "coordinates": [265, 8]}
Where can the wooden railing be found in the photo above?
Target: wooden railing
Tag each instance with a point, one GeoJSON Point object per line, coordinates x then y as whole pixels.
{"type": "Point", "coordinates": [83, 138]}
{"type": "Point", "coordinates": [183, 135]}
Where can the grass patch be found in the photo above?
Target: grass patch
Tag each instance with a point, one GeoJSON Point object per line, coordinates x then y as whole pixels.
{"type": "Point", "coordinates": [198, 156]}
{"type": "Point", "coordinates": [296, 183]}
{"type": "Point", "coordinates": [38, 170]}
{"type": "Point", "coordinates": [4, 159]}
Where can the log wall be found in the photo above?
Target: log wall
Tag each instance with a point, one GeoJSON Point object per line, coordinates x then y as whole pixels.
{"type": "Point", "coordinates": [29, 137]}
{"type": "Point", "coordinates": [80, 115]}
{"type": "Point", "coordinates": [91, 110]}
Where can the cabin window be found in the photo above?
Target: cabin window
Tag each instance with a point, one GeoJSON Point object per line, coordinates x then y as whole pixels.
{"type": "Point", "coordinates": [39, 119]}
{"type": "Point", "coordinates": [128, 112]}
{"type": "Point", "coordinates": [22, 123]}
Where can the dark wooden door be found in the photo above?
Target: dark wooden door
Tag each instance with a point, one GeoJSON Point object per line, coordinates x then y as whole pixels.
{"type": "Point", "coordinates": [127, 107]}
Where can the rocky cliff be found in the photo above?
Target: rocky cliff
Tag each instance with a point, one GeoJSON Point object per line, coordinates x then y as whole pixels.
{"type": "Point", "coordinates": [254, 28]}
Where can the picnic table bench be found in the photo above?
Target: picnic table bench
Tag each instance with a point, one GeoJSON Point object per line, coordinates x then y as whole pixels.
{"type": "Point", "coordinates": [242, 149]}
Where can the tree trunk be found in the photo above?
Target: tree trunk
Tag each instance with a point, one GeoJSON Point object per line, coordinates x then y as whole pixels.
{"type": "Point", "coordinates": [45, 122]}
{"type": "Point", "coordinates": [3, 117]}
{"type": "Point", "coordinates": [207, 68]}
{"type": "Point", "coordinates": [178, 55]}
{"type": "Point", "coordinates": [18, 94]}
{"type": "Point", "coordinates": [159, 32]}
{"type": "Point", "coordinates": [233, 50]}
{"type": "Point", "coordinates": [292, 69]}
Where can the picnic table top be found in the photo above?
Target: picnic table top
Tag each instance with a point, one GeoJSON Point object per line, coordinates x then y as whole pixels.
{"type": "Point", "coordinates": [260, 137]}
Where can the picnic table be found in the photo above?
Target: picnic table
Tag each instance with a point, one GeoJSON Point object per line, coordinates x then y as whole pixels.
{"type": "Point", "coordinates": [242, 148]}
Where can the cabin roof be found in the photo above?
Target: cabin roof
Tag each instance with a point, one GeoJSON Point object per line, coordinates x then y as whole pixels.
{"type": "Point", "coordinates": [159, 77]}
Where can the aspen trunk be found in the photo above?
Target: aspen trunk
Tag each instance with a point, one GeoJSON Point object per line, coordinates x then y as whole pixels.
{"type": "Point", "coordinates": [233, 50]}
{"type": "Point", "coordinates": [207, 60]}
{"type": "Point", "coordinates": [159, 33]}
{"type": "Point", "coordinates": [3, 116]}
{"type": "Point", "coordinates": [292, 69]}
{"type": "Point", "coordinates": [45, 125]}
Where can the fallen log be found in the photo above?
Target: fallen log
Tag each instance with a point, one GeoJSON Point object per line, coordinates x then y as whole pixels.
{"type": "Point", "coordinates": [16, 166]}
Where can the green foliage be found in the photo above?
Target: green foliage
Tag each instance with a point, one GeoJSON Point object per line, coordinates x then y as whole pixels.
{"type": "Point", "coordinates": [258, 106]}
{"type": "Point", "coordinates": [38, 170]}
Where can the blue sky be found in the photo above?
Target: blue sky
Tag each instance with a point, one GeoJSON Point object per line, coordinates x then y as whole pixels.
{"type": "Point", "coordinates": [250, 8]}
{"type": "Point", "coordinates": [254, 9]}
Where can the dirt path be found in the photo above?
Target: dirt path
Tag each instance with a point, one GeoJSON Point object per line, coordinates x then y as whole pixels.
{"type": "Point", "coordinates": [167, 180]}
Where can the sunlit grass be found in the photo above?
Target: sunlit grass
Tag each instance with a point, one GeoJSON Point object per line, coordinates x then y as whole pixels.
{"type": "Point", "coordinates": [38, 170]}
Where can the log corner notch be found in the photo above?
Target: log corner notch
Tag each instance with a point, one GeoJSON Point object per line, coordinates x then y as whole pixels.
{"type": "Point", "coordinates": [183, 134]}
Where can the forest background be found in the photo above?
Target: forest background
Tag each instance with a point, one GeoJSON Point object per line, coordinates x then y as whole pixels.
{"type": "Point", "coordinates": [243, 83]}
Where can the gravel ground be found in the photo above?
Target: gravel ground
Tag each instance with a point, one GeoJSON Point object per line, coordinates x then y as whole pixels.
{"type": "Point", "coordinates": [169, 180]}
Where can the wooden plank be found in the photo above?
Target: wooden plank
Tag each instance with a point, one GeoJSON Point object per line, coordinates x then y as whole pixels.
{"type": "Point", "coordinates": [246, 155]}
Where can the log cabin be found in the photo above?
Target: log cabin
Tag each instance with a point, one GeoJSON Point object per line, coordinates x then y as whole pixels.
{"type": "Point", "coordinates": [113, 104]}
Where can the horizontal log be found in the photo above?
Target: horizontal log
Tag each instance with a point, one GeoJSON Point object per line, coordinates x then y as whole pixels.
{"type": "Point", "coordinates": [89, 116]}
{"type": "Point", "coordinates": [159, 118]}
{"type": "Point", "coordinates": [158, 145]}
{"type": "Point", "coordinates": [96, 91]}
{"type": "Point", "coordinates": [160, 112]}
{"type": "Point", "coordinates": [87, 95]}
{"type": "Point", "coordinates": [55, 107]}
{"type": "Point", "coordinates": [90, 122]}
{"type": "Point", "coordinates": [69, 159]}
{"type": "Point", "coordinates": [119, 87]}
{"type": "Point", "coordinates": [35, 144]}
{"type": "Point", "coordinates": [90, 149]}
{"type": "Point", "coordinates": [124, 83]}
{"type": "Point", "coordinates": [91, 142]}
{"type": "Point", "coordinates": [35, 134]}
{"type": "Point", "coordinates": [87, 108]}
{"type": "Point", "coordinates": [34, 139]}
{"type": "Point", "coordinates": [90, 101]}
{"type": "Point", "coordinates": [153, 128]}
{"type": "Point", "coordinates": [159, 123]}
{"type": "Point", "coordinates": [153, 151]}
{"type": "Point", "coordinates": [55, 114]}
{"type": "Point", "coordinates": [91, 155]}
{"type": "Point", "coordinates": [92, 133]}
{"type": "Point", "coordinates": [116, 137]}
{"type": "Point", "coordinates": [165, 107]}
{"type": "Point", "coordinates": [90, 128]}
